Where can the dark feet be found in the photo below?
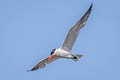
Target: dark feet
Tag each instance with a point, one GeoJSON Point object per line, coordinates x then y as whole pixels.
{"type": "Point", "coordinates": [74, 57]}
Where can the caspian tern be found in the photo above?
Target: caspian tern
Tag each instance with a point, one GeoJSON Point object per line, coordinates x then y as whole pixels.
{"type": "Point", "coordinates": [65, 50]}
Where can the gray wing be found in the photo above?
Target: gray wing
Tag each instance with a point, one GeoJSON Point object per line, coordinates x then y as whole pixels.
{"type": "Point", "coordinates": [74, 31]}
{"type": "Point", "coordinates": [43, 63]}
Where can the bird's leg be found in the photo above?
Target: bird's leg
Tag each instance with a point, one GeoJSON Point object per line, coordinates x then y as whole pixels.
{"type": "Point", "coordinates": [73, 56]}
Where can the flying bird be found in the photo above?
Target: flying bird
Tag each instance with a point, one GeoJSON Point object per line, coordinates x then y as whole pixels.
{"type": "Point", "coordinates": [65, 50]}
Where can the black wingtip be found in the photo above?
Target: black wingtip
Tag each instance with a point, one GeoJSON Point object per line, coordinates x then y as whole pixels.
{"type": "Point", "coordinates": [91, 5]}
{"type": "Point", "coordinates": [30, 70]}
{"type": "Point", "coordinates": [86, 15]}
{"type": "Point", "coordinates": [33, 69]}
{"type": "Point", "coordinates": [90, 8]}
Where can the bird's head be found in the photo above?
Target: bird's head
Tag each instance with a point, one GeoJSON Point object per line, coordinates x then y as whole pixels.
{"type": "Point", "coordinates": [51, 55]}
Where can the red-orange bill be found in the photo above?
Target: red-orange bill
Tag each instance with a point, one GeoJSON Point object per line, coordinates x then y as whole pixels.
{"type": "Point", "coordinates": [50, 57]}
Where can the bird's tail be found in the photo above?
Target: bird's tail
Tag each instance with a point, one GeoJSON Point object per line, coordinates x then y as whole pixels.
{"type": "Point", "coordinates": [76, 57]}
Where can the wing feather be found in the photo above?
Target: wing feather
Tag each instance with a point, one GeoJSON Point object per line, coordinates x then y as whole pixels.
{"type": "Point", "coordinates": [43, 63]}
{"type": "Point", "coordinates": [74, 31]}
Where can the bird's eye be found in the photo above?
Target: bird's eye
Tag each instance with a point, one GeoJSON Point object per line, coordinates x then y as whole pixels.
{"type": "Point", "coordinates": [53, 51]}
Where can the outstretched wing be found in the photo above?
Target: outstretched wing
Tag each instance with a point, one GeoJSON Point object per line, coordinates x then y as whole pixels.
{"type": "Point", "coordinates": [74, 31]}
{"type": "Point", "coordinates": [43, 63]}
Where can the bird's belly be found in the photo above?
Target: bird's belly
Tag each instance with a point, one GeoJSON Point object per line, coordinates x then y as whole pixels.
{"type": "Point", "coordinates": [63, 53]}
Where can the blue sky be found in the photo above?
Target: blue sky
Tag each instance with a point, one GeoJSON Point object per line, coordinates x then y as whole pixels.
{"type": "Point", "coordinates": [30, 29]}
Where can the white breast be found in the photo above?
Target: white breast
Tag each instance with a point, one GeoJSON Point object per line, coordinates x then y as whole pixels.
{"type": "Point", "coordinates": [61, 52]}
